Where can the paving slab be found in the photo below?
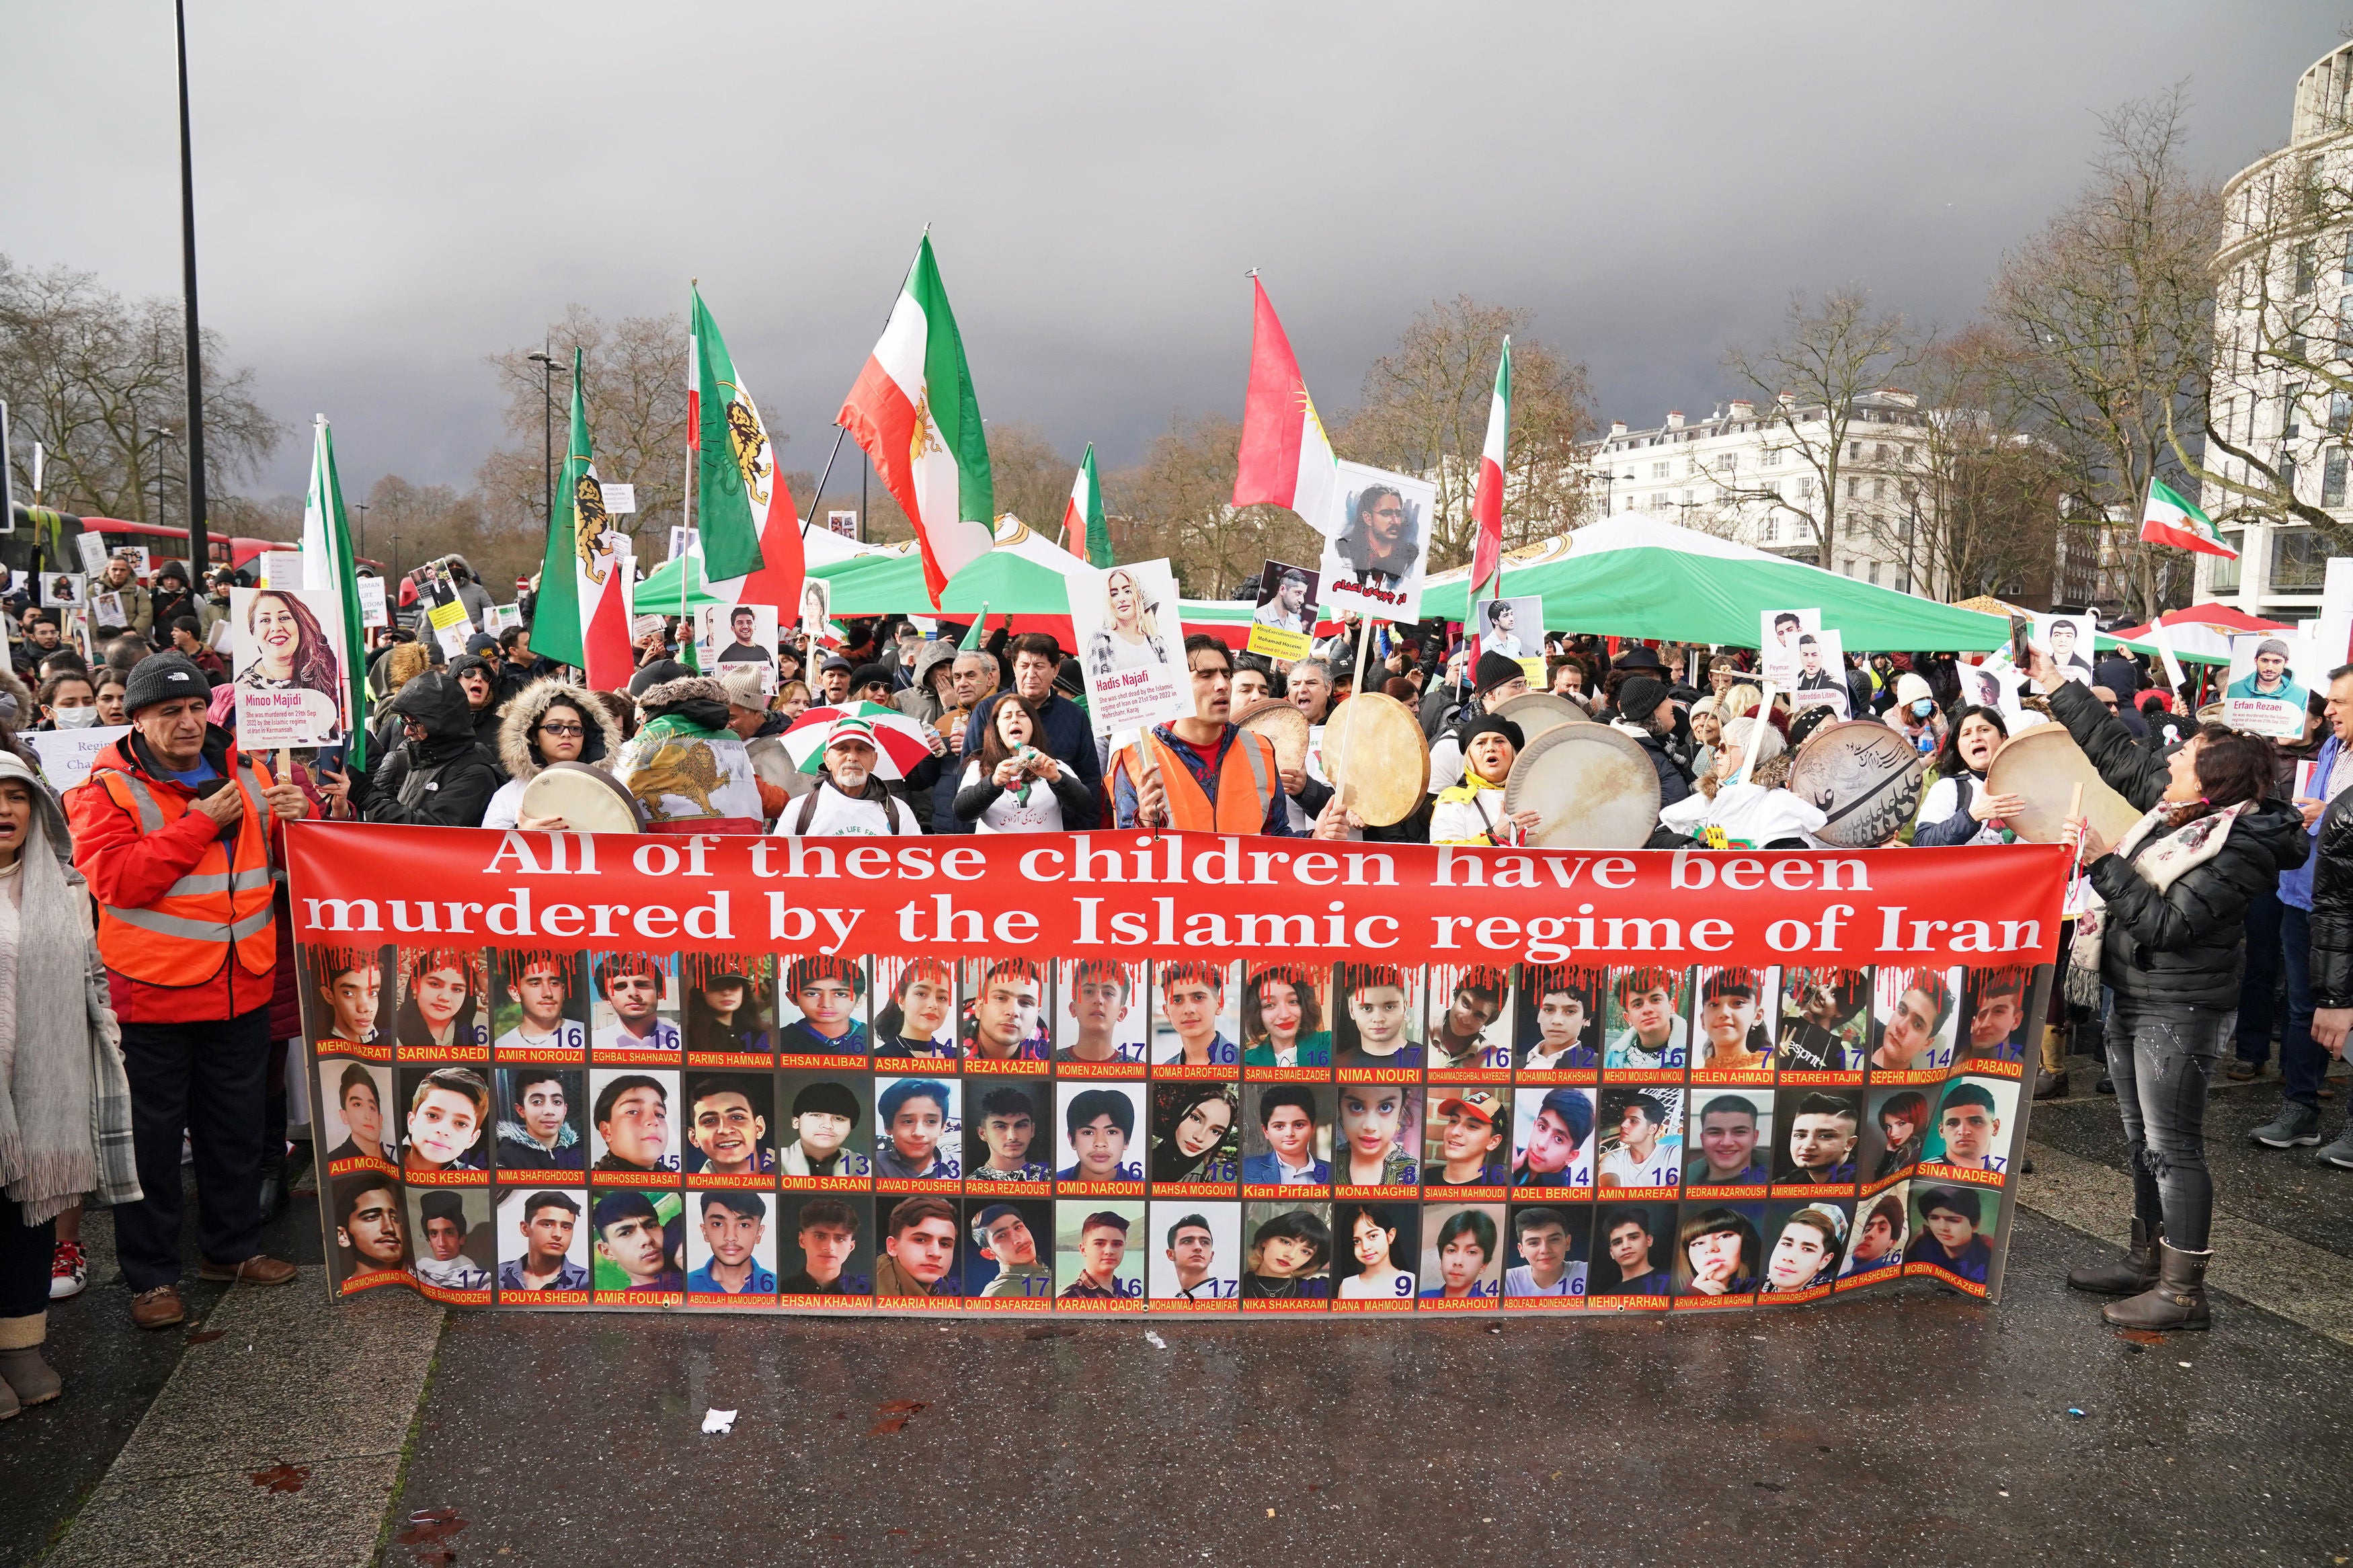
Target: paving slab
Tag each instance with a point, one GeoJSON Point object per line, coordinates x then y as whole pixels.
{"type": "Point", "coordinates": [1914, 1424]}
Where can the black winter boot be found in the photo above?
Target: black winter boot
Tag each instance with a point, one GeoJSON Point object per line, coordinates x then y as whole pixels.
{"type": "Point", "coordinates": [2128, 1275]}
{"type": "Point", "coordinates": [2178, 1302]}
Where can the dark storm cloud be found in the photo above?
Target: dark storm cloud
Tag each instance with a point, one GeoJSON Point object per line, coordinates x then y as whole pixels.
{"type": "Point", "coordinates": [386, 195]}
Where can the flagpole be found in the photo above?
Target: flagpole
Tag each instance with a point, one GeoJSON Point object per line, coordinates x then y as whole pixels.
{"type": "Point", "coordinates": [686, 499]}
{"type": "Point", "coordinates": [818, 499]}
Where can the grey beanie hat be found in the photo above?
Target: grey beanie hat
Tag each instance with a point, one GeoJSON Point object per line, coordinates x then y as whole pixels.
{"type": "Point", "coordinates": [161, 677]}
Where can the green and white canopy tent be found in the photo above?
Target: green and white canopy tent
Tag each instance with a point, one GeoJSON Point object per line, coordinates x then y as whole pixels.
{"type": "Point", "coordinates": [1025, 575]}
{"type": "Point", "coordinates": [825, 550]}
{"type": "Point", "coordinates": [1636, 577]}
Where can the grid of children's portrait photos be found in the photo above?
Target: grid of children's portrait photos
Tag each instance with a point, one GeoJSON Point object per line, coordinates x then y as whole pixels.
{"type": "Point", "coordinates": [627, 1128]}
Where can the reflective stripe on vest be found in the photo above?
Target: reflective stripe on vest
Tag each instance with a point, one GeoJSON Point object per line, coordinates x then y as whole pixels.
{"type": "Point", "coordinates": [1247, 783]}
{"type": "Point", "coordinates": [224, 902]}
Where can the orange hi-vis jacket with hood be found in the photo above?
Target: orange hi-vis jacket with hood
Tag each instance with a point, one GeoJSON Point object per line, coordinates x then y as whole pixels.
{"type": "Point", "coordinates": [184, 919]}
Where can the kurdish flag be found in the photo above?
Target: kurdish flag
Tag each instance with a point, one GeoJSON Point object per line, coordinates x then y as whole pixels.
{"type": "Point", "coordinates": [583, 617]}
{"type": "Point", "coordinates": [2169, 519]}
{"type": "Point", "coordinates": [912, 410]}
{"type": "Point", "coordinates": [1082, 520]}
{"type": "Point", "coordinates": [1487, 502]}
{"type": "Point", "coordinates": [330, 567]}
{"type": "Point", "coordinates": [749, 531]}
{"type": "Point", "coordinates": [1286, 458]}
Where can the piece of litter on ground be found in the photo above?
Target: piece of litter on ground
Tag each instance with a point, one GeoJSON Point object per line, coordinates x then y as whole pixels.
{"type": "Point", "coordinates": [1155, 1340]}
{"type": "Point", "coordinates": [2182, 1363]}
{"type": "Point", "coordinates": [2072, 1410]}
{"type": "Point", "coordinates": [719, 1420]}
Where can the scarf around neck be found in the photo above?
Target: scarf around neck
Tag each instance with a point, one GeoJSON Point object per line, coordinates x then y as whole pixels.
{"type": "Point", "coordinates": [65, 1104]}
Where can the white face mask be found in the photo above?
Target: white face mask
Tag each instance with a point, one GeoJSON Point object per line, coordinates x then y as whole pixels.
{"type": "Point", "coordinates": [75, 718]}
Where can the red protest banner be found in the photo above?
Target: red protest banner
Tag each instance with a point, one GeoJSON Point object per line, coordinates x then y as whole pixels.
{"type": "Point", "coordinates": [1125, 894]}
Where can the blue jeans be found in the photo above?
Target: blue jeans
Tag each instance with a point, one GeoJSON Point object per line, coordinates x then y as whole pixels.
{"type": "Point", "coordinates": [2261, 983]}
{"type": "Point", "coordinates": [2162, 1059]}
{"type": "Point", "coordinates": [2302, 1062]}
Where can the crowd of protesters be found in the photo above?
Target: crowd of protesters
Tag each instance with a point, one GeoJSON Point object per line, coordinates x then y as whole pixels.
{"type": "Point", "coordinates": [147, 1001]}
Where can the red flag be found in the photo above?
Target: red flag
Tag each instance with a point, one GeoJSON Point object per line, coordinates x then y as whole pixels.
{"type": "Point", "coordinates": [1285, 459]}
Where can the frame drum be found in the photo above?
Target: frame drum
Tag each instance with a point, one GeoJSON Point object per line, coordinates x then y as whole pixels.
{"type": "Point", "coordinates": [1384, 774]}
{"type": "Point", "coordinates": [1284, 727]}
{"type": "Point", "coordinates": [1537, 712]}
{"type": "Point", "coordinates": [589, 799]}
{"type": "Point", "coordinates": [2043, 767]}
{"type": "Point", "coordinates": [1594, 787]}
{"type": "Point", "coordinates": [1863, 776]}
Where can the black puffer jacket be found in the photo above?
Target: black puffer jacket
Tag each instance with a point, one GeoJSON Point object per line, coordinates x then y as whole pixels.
{"type": "Point", "coordinates": [1674, 776]}
{"type": "Point", "coordinates": [443, 780]}
{"type": "Point", "coordinates": [2186, 946]}
{"type": "Point", "coordinates": [2332, 907]}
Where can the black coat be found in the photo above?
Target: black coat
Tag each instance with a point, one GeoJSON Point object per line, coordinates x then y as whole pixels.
{"type": "Point", "coordinates": [2118, 674]}
{"type": "Point", "coordinates": [2186, 946]}
{"type": "Point", "coordinates": [1674, 780]}
{"type": "Point", "coordinates": [2332, 907]}
{"type": "Point", "coordinates": [446, 779]}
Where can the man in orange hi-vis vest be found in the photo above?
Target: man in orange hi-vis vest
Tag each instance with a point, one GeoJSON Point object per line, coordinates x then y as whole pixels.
{"type": "Point", "coordinates": [1201, 775]}
{"type": "Point", "coordinates": [173, 831]}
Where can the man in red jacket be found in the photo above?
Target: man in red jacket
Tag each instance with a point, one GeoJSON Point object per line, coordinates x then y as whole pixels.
{"type": "Point", "coordinates": [173, 831]}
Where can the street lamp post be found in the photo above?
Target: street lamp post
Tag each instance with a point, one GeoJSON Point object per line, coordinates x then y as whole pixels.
{"type": "Point", "coordinates": [361, 506]}
{"type": "Point", "coordinates": [199, 551]}
{"type": "Point", "coordinates": [548, 369]}
{"type": "Point", "coordinates": [162, 433]}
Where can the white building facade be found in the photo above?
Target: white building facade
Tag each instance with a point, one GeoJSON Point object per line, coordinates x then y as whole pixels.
{"type": "Point", "coordinates": [2284, 293]}
{"type": "Point", "coordinates": [1746, 477]}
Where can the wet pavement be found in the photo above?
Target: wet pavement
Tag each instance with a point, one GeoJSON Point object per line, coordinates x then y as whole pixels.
{"type": "Point", "coordinates": [53, 1455]}
{"type": "Point", "coordinates": [1918, 1425]}
{"type": "Point", "coordinates": [1910, 1425]}
{"type": "Point", "coordinates": [2281, 1188]}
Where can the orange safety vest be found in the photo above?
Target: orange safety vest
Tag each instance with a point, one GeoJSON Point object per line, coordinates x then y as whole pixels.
{"type": "Point", "coordinates": [176, 940]}
{"type": "Point", "coordinates": [1248, 781]}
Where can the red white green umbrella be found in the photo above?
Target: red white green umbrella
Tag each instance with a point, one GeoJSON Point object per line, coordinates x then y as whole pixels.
{"type": "Point", "coordinates": [900, 740]}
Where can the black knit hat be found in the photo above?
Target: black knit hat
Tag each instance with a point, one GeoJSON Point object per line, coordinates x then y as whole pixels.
{"type": "Point", "coordinates": [1639, 698]}
{"type": "Point", "coordinates": [655, 672]}
{"type": "Point", "coordinates": [1492, 725]}
{"type": "Point", "coordinates": [161, 677]}
{"type": "Point", "coordinates": [1493, 670]}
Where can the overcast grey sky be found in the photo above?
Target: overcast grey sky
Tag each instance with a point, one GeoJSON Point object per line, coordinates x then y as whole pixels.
{"type": "Point", "coordinates": [385, 194]}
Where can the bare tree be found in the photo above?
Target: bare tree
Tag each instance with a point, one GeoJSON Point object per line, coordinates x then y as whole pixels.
{"type": "Point", "coordinates": [100, 382]}
{"type": "Point", "coordinates": [2113, 305]}
{"type": "Point", "coordinates": [1980, 502]}
{"type": "Point", "coordinates": [635, 389]}
{"type": "Point", "coordinates": [1806, 386]}
{"type": "Point", "coordinates": [1424, 411]}
{"type": "Point", "coordinates": [1178, 502]}
{"type": "Point", "coordinates": [1031, 480]}
{"type": "Point", "coordinates": [405, 524]}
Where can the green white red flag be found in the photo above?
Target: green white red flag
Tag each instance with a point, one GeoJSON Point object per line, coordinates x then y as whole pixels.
{"type": "Point", "coordinates": [747, 528]}
{"type": "Point", "coordinates": [1487, 501]}
{"type": "Point", "coordinates": [583, 615]}
{"type": "Point", "coordinates": [2171, 517]}
{"type": "Point", "coordinates": [329, 566]}
{"type": "Point", "coordinates": [912, 410]}
{"type": "Point", "coordinates": [1082, 519]}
